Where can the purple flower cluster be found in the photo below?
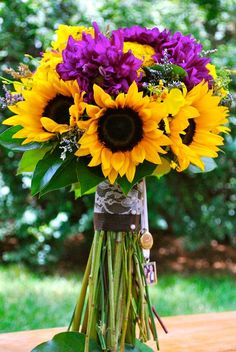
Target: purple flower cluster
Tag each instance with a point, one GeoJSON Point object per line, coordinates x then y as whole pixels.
{"type": "Point", "coordinates": [10, 98]}
{"type": "Point", "coordinates": [182, 50]}
{"type": "Point", "coordinates": [142, 35]}
{"type": "Point", "coordinates": [99, 60]}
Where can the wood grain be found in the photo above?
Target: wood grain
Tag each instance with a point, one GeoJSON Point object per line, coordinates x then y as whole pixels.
{"type": "Point", "coordinates": [214, 332]}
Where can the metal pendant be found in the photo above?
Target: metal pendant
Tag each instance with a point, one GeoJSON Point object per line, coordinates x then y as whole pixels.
{"type": "Point", "coordinates": [146, 240]}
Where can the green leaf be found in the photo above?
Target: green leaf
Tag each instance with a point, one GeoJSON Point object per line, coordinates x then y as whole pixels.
{"type": "Point", "coordinates": [30, 158]}
{"type": "Point", "coordinates": [67, 342]}
{"type": "Point", "coordinates": [45, 170]}
{"type": "Point", "coordinates": [144, 169]}
{"type": "Point", "coordinates": [139, 347]}
{"type": "Point", "coordinates": [88, 177]}
{"type": "Point", "coordinates": [209, 165]}
{"type": "Point", "coordinates": [63, 177]}
{"type": "Point", "coordinates": [177, 70]}
{"type": "Point", "coordinates": [77, 190]}
{"type": "Point", "coordinates": [7, 141]}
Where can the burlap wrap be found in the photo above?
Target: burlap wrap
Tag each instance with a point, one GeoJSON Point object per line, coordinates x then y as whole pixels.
{"type": "Point", "coordinates": [115, 211]}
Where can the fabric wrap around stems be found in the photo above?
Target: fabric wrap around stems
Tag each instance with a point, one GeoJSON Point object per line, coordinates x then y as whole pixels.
{"type": "Point", "coordinates": [115, 211]}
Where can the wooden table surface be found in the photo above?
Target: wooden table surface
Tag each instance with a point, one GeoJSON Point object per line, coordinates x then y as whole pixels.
{"type": "Point", "coordinates": [214, 332]}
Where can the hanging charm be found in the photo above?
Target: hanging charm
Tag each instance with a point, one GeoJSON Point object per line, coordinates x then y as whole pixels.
{"type": "Point", "coordinates": [150, 272]}
{"type": "Point", "coordinates": [146, 240]}
{"type": "Point", "coordinates": [144, 225]}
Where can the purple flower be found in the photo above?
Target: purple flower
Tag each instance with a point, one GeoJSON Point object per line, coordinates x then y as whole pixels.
{"type": "Point", "coordinates": [181, 50]}
{"type": "Point", "coordinates": [184, 51]}
{"type": "Point", "coordinates": [142, 35]}
{"type": "Point", "coordinates": [10, 98]}
{"type": "Point", "coordinates": [99, 60]}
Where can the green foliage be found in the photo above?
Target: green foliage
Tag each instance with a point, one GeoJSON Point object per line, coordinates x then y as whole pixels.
{"type": "Point", "coordinates": [48, 301]}
{"type": "Point", "coordinates": [199, 207]}
{"type": "Point", "coordinates": [74, 342]}
{"type": "Point", "coordinates": [30, 158]}
{"type": "Point", "coordinates": [67, 341]}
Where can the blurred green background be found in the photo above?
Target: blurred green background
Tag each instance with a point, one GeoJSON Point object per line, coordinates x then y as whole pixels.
{"type": "Point", "coordinates": [193, 215]}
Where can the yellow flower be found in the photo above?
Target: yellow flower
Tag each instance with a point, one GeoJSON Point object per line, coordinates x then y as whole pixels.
{"type": "Point", "coordinates": [218, 89]}
{"type": "Point", "coordinates": [212, 70]}
{"type": "Point", "coordinates": [63, 32]}
{"type": "Point", "coordinates": [47, 66]}
{"type": "Point", "coordinates": [142, 52]}
{"type": "Point", "coordinates": [45, 110]}
{"type": "Point", "coordinates": [195, 123]}
{"type": "Point", "coordinates": [52, 58]}
{"type": "Point", "coordinates": [121, 133]}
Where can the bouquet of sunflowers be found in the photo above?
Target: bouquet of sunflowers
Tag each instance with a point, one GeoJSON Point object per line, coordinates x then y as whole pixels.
{"type": "Point", "coordinates": [99, 113]}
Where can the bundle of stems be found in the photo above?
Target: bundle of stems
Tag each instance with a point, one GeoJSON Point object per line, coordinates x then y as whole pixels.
{"type": "Point", "coordinates": [114, 298]}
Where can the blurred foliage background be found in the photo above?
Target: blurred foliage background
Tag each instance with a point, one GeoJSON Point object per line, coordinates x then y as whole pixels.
{"type": "Point", "coordinates": [199, 208]}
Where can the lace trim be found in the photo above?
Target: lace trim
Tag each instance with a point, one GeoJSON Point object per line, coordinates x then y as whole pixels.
{"type": "Point", "coordinates": [111, 200]}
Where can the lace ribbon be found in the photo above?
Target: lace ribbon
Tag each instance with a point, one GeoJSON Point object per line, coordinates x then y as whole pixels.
{"type": "Point", "coordinates": [115, 211]}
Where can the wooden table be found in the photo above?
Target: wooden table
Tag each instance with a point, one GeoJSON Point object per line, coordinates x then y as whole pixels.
{"type": "Point", "coordinates": [214, 332]}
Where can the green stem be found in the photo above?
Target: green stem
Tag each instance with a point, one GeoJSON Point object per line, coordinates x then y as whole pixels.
{"type": "Point", "coordinates": [111, 294]}
{"type": "Point", "coordinates": [142, 298]}
{"type": "Point", "coordinates": [151, 315]}
{"type": "Point", "coordinates": [129, 296]}
{"type": "Point", "coordinates": [117, 265]}
{"type": "Point", "coordinates": [97, 246]}
{"type": "Point", "coordinates": [119, 307]}
{"type": "Point", "coordinates": [81, 301]}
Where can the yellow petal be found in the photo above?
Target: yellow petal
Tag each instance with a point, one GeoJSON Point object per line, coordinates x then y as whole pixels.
{"type": "Point", "coordinates": [112, 176]}
{"type": "Point", "coordinates": [101, 98]}
{"type": "Point", "coordinates": [130, 172]}
{"type": "Point", "coordinates": [52, 126]}
{"type": "Point", "coordinates": [106, 158]}
{"type": "Point", "coordinates": [96, 160]}
{"type": "Point", "coordinates": [117, 160]}
{"type": "Point", "coordinates": [82, 152]}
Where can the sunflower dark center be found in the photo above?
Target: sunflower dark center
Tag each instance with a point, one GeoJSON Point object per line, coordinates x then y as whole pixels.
{"type": "Point", "coordinates": [57, 109]}
{"type": "Point", "coordinates": [120, 129]}
{"type": "Point", "coordinates": [187, 138]}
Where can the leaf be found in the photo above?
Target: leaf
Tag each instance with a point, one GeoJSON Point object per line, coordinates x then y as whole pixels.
{"type": "Point", "coordinates": [162, 169]}
{"type": "Point", "coordinates": [67, 342]}
{"type": "Point", "coordinates": [7, 141]}
{"type": "Point", "coordinates": [50, 174]}
{"type": "Point", "coordinates": [139, 347]}
{"type": "Point", "coordinates": [45, 170]}
{"type": "Point", "coordinates": [63, 177]}
{"type": "Point", "coordinates": [88, 177]}
{"type": "Point", "coordinates": [209, 165]}
{"type": "Point", "coordinates": [177, 70]}
{"type": "Point", "coordinates": [30, 158]}
{"type": "Point", "coordinates": [144, 169]}
{"type": "Point", "coordinates": [77, 190]}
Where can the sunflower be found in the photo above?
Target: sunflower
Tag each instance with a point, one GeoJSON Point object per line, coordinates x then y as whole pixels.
{"type": "Point", "coordinates": [45, 110]}
{"type": "Point", "coordinates": [121, 133]}
{"type": "Point", "coordinates": [195, 122]}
